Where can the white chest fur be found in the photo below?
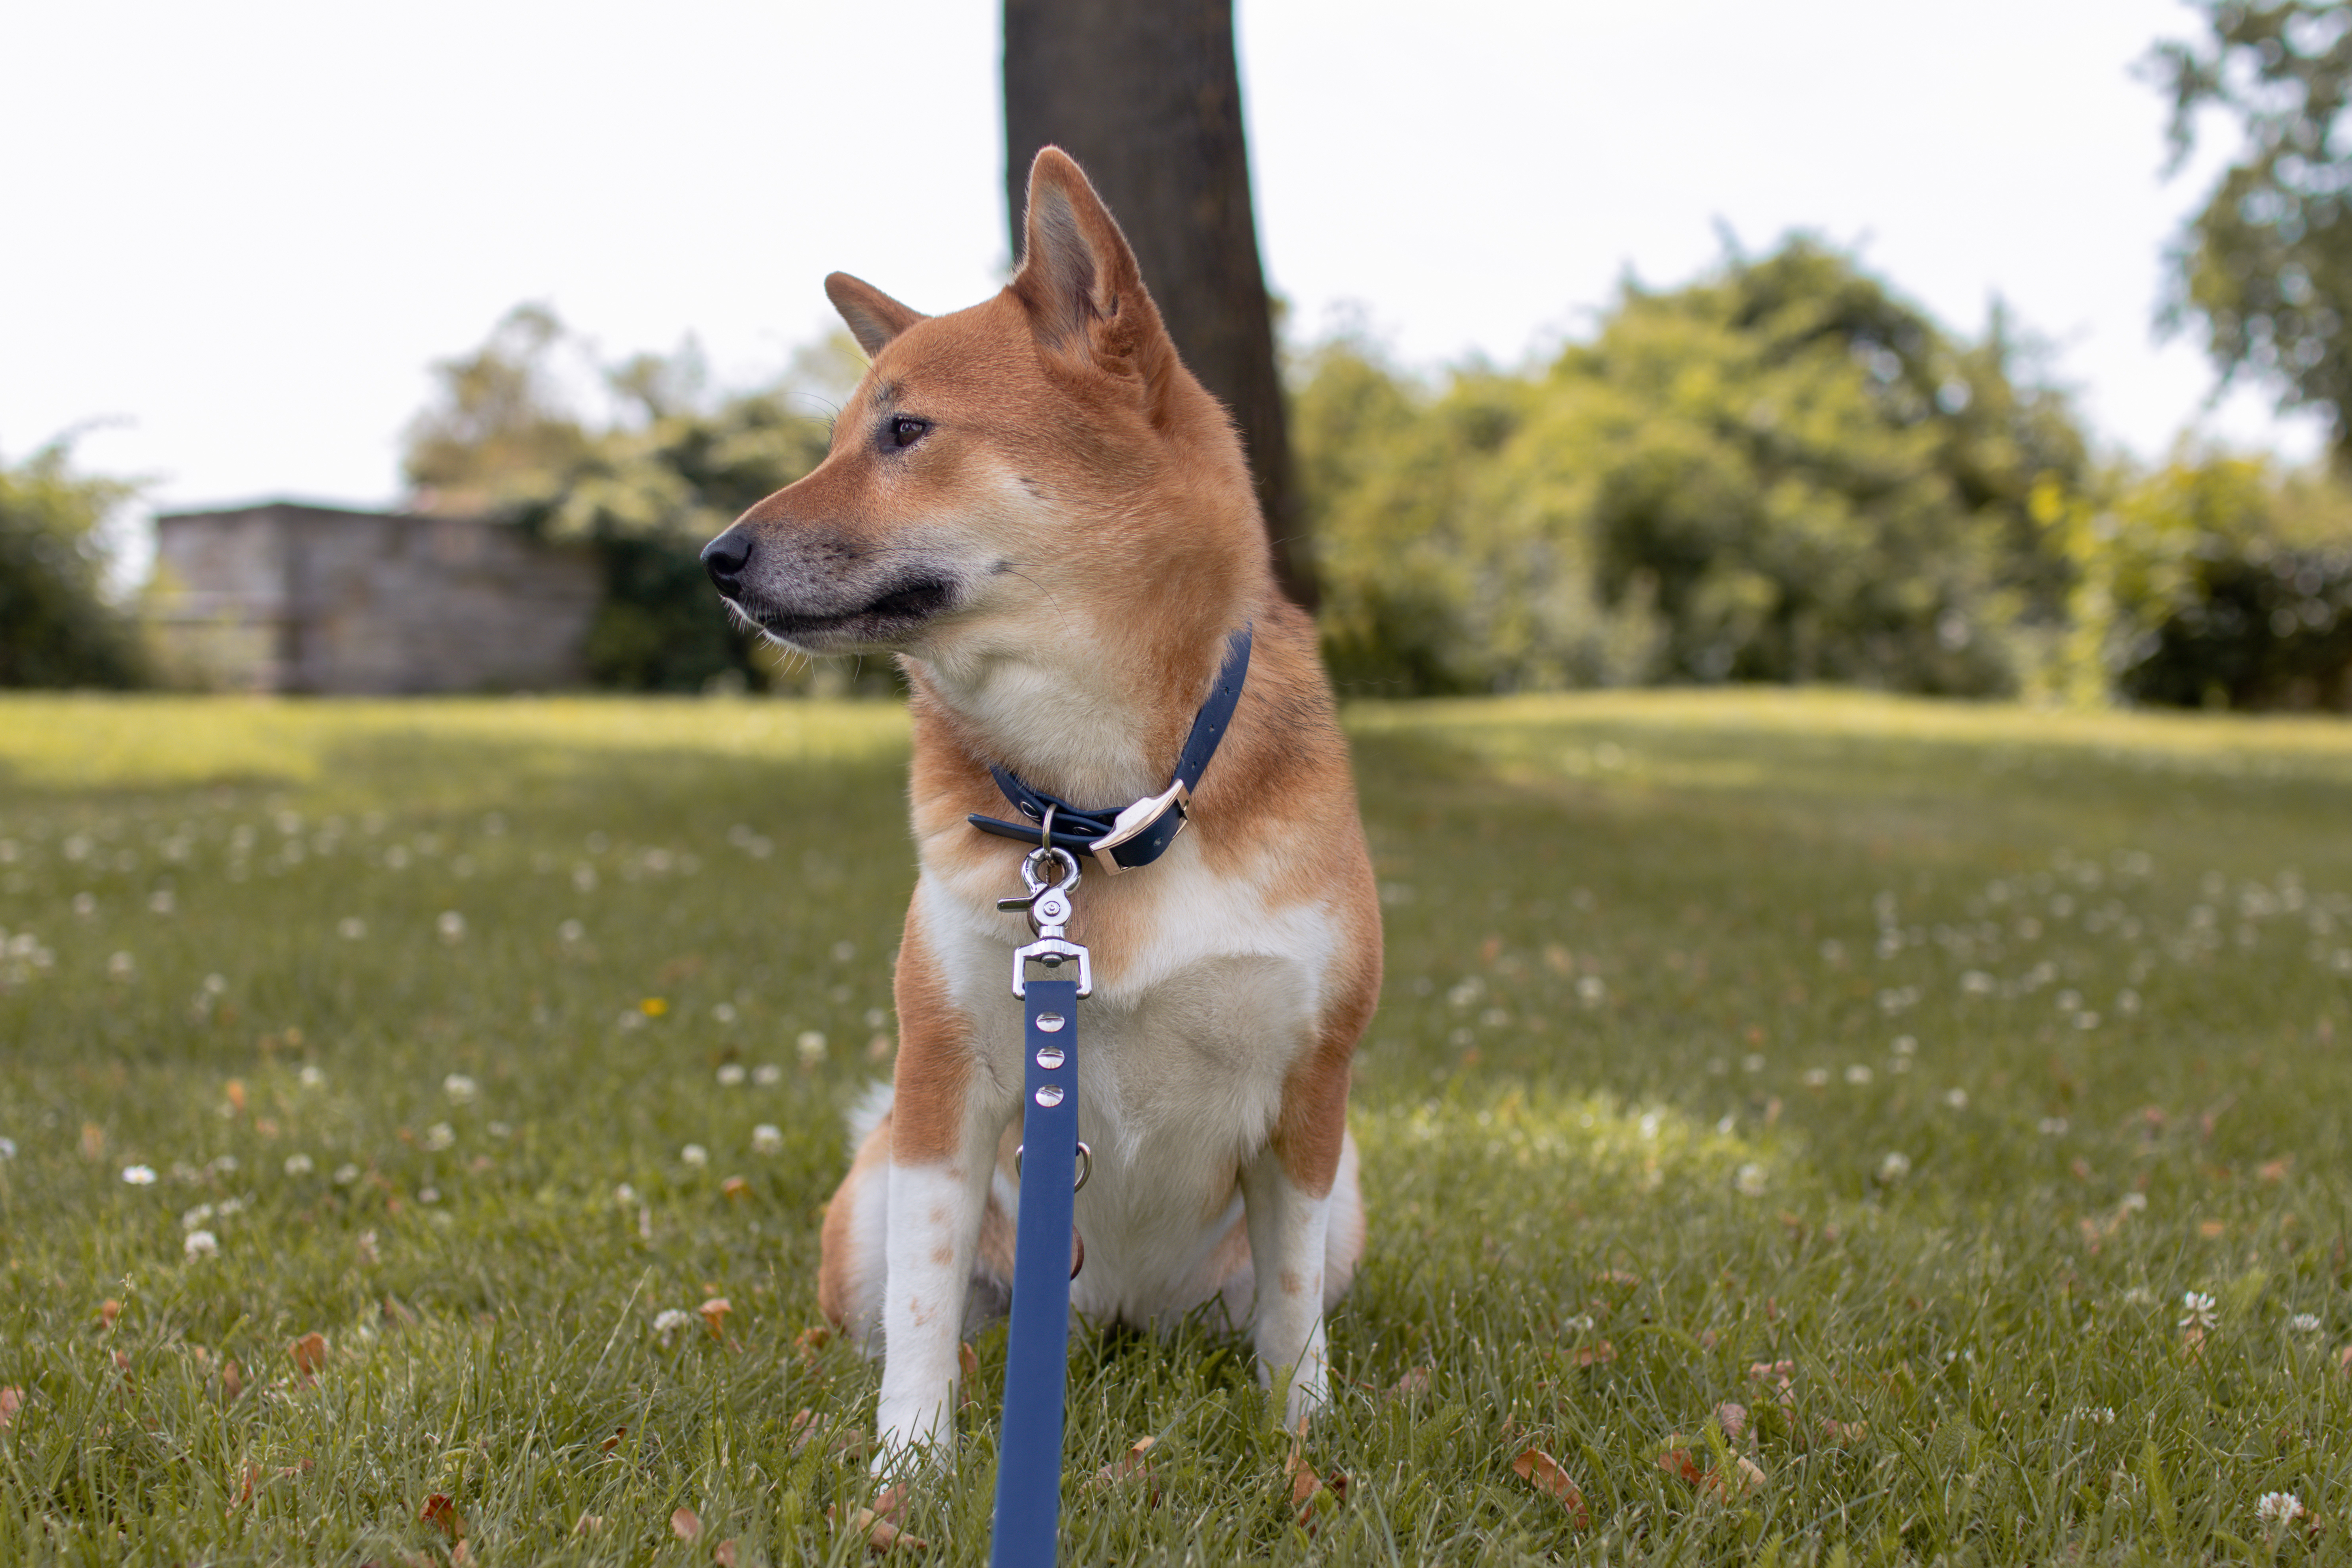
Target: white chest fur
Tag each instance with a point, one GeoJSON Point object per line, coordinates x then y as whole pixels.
{"type": "Point", "coordinates": [1181, 1060]}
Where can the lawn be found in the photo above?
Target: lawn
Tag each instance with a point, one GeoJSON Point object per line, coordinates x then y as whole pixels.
{"type": "Point", "coordinates": [1799, 1127]}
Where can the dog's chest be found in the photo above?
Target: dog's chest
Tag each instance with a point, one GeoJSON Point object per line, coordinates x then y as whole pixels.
{"type": "Point", "coordinates": [1183, 1054]}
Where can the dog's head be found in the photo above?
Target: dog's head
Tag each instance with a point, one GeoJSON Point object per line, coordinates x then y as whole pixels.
{"type": "Point", "coordinates": [1039, 464]}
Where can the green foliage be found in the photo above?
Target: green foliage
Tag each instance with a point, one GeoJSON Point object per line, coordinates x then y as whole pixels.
{"type": "Point", "coordinates": [2219, 582]}
{"type": "Point", "coordinates": [673, 465]}
{"type": "Point", "coordinates": [2267, 262]}
{"type": "Point", "coordinates": [56, 626]}
{"type": "Point", "coordinates": [1671, 976]}
{"type": "Point", "coordinates": [1780, 473]}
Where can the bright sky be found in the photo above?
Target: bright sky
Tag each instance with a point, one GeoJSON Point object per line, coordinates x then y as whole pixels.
{"type": "Point", "coordinates": [240, 232]}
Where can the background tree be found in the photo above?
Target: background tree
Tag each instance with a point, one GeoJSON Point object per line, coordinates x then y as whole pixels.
{"type": "Point", "coordinates": [1781, 472]}
{"type": "Point", "coordinates": [57, 627]}
{"type": "Point", "coordinates": [668, 465]}
{"type": "Point", "coordinates": [1148, 98]}
{"type": "Point", "coordinates": [2266, 264]}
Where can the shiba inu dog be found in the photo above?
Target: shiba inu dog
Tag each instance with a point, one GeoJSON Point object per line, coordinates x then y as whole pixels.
{"type": "Point", "coordinates": [1039, 510]}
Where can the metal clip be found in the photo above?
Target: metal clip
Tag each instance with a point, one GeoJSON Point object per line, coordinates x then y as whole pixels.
{"type": "Point", "coordinates": [1048, 905]}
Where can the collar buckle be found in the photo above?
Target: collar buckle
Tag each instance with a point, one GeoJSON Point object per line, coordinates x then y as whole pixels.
{"type": "Point", "coordinates": [1135, 820]}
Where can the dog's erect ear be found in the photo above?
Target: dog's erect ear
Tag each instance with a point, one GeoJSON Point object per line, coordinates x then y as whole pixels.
{"type": "Point", "coordinates": [873, 316]}
{"type": "Point", "coordinates": [1079, 279]}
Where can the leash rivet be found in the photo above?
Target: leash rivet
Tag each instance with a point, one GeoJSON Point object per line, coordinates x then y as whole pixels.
{"type": "Point", "coordinates": [1049, 1056]}
{"type": "Point", "coordinates": [1050, 1095]}
{"type": "Point", "coordinates": [1051, 1022]}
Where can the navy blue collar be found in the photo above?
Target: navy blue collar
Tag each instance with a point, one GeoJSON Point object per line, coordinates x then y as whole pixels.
{"type": "Point", "coordinates": [1123, 837]}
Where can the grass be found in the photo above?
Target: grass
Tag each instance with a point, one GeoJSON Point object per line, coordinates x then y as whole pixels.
{"type": "Point", "coordinates": [1850, 1087]}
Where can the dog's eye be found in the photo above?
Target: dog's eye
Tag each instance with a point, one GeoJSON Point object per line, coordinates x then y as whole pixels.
{"type": "Point", "coordinates": [905, 431]}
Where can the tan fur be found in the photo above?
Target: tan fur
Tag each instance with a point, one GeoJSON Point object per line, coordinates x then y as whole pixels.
{"type": "Point", "coordinates": [1040, 510]}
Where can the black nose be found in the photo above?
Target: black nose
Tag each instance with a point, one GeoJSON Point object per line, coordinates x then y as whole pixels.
{"type": "Point", "coordinates": [724, 558]}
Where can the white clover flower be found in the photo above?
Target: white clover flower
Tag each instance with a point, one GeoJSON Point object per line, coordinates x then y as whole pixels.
{"type": "Point", "coordinates": [768, 1073]}
{"type": "Point", "coordinates": [2134, 1202]}
{"type": "Point", "coordinates": [2051, 1127]}
{"type": "Point", "coordinates": [624, 1195]}
{"type": "Point", "coordinates": [1579, 1324]}
{"type": "Point", "coordinates": [571, 931]}
{"type": "Point", "coordinates": [440, 1135]}
{"type": "Point", "coordinates": [1749, 1181]}
{"type": "Point", "coordinates": [460, 1088]}
{"type": "Point", "coordinates": [696, 1155]}
{"type": "Point", "coordinates": [311, 1078]}
{"type": "Point", "coordinates": [299, 1165]}
{"type": "Point", "coordinates": [767, 1139]}
{"type": "Point", "coordinates": [1817, 1078]}
{"type": "Point", "coordinates": [1591, 991]}
{"type": "Point", "coordinates": [2198, 1310]}
{"type": "Point", "coordinates": [732, 1074]}
{"type": "Point", "coordinates": [2304, 1323]}
{"type": "Point", "coordinates": [7, 1148]}
{"type": "Point", "coordinates": [668, 1321]}
{"type": "Point", "coordinates": [1894, 1168]}
{"type": "Point", "coordinates": [351, 927]}
{"type": "Point", "coordinates": [120, 966]}
{"type": "Point", "coordinates": [1857, 1074]}
{"type": "Point", "coordinates": [1957, 1099]}
{"type": "Point", "coordinates": [1752, 1062]}
{"type": "Point", "coordinates": [197, 1218]}
{"type": "Point", "coordinates": [810, 1047]}
{"type": "Point", "coordinates": [2140, 1296]}
{"type": "Point", "coordinates": [2275, 1509]}
{"type": "Point", "coordinates": [200, 1243]}
{"type": "Point", "coordinates": [722, 1013]}
{"type": "Point", "coordinates": [346, 1174]}
{"type": "Point", "coordinates": [160, 901]}
{"type": "Point", "coordinates": [138, 1175]}
{"type": "Point", "coordinates": [451, 925]}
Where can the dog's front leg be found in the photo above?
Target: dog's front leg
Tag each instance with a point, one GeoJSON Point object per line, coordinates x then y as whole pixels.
{"type": "Point", "coordinates": [935, 1209]}
{"type": "Point", "coordinates": [1286, 1223]}
{"type": "Point", "coordinates": [945, 1116]}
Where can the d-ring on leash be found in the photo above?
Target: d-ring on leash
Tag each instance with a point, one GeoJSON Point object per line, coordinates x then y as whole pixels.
{"type": "Point", "coordinates": [1037, 1351]}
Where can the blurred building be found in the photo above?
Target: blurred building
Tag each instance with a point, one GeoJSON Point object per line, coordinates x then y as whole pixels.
{"type": "Point", "coordinates": [283, 597]}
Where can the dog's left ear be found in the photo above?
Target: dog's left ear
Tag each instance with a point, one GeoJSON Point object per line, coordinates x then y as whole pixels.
{"type": "Point", "coordinates": [1079, 280]}
{"type": "Point", "coordinates": [873, 316]}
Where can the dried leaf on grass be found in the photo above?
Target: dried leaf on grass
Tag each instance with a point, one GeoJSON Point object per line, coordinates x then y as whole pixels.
{"type": "Point", "coordinates": [686, 1524]}
{"type": "Point", "coordinates": [724, 1553]}
{"type": "Point", "coordinates": [1732, 1419]}
{"type": "Point", "coordinates": [714, 1317]}
{"type": "Point", "coordinates": [1136, 1462]}
{"type": "Point", "coordinates": [1543, 1472]}
{"type": "Point", "coordinates": [12, 1400]}
{"type": "Point", "coordinates": [309, 1353]}
{"type": "Point", "coordinates": [1600, 1354]}
{"type": "Point", "coordinates": [441, 1513]}
{"type": "Point", "coordinates": [612, 1442]}
{"type": "Point", "coordinates": [1413, 1384]}
{"type": "Point", "coordinates": [108, 1311]}
{"type": "Point", "coordinates": [879, 1523]}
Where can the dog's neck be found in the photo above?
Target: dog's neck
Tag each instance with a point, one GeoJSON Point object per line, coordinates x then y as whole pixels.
{"type": "Point", "coordinates": [1098, 719]}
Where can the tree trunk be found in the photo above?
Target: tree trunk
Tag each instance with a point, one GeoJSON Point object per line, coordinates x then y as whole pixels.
{"type": "Point", "coordinates": [1145, 95]}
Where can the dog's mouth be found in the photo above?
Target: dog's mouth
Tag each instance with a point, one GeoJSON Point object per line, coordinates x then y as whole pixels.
{"type": "Point", "coordinates": [886, 618]}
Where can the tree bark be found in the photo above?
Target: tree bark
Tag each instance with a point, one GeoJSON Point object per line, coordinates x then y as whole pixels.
{"type": "Point", "coordinates": [1146, 96]}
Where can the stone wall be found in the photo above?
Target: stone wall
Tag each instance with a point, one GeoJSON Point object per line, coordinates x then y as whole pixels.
{"type": "Point", "coordinates": [282, 597]}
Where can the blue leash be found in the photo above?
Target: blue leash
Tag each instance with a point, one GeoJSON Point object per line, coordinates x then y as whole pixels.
{"type": "Point", "coordinates": [1037, 1354]}
{"type": "Point", "coordinates": [1053, 1164]}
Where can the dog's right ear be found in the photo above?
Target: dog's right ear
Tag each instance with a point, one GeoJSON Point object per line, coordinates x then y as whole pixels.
{"type": "Point", "coordinates": [873, 316]}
